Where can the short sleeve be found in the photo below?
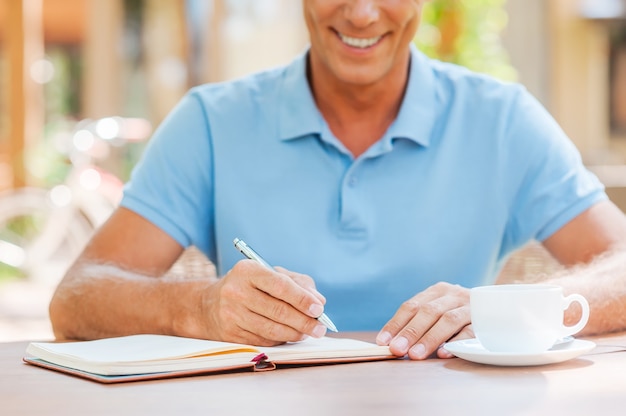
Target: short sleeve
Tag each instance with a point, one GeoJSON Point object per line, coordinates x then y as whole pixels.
{"type": "Point", "coordinates": [554, 186]}
{"type": "Point", "coordinates": [171, 186]}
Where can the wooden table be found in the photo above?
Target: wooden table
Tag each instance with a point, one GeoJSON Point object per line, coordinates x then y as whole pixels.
{"type": "Point", "coordinates": [593, 384]}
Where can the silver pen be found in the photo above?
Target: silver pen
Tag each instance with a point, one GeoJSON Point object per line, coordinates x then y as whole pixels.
{"type": "Point", "coordinates": [247, 251]}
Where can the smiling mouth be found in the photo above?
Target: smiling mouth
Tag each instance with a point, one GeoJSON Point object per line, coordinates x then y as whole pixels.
{"type": "Point", "coordinates": [361, 43]}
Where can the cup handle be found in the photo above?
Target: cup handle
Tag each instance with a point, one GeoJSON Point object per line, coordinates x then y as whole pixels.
{"type": "Point", "coordinates": [567, 301]}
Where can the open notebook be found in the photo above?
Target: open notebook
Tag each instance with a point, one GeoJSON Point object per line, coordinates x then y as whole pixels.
{"type": "Point", "coordinates": [144, 357]}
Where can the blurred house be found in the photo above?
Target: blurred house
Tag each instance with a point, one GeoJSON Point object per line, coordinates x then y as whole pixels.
{"type": "Point", "coordinates": [137, 57]}
{"type": "Point", "coordinates": [95, 58]}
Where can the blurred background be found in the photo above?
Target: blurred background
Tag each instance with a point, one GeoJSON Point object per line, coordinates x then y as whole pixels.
{"type": "Point", "coordinates": [84, 82]}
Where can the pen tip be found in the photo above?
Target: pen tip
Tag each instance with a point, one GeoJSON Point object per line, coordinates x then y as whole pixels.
{"type": "Point", "coordinates": [327, 323]}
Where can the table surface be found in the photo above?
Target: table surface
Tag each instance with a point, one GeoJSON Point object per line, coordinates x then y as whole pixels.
{"type": "Point", "coordinates": [594, 383]}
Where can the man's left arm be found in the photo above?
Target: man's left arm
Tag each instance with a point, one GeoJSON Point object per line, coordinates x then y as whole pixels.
{"type": "Point", "coordinates": [593, 248]}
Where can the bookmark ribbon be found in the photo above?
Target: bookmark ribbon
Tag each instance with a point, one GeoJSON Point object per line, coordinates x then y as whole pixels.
{"type": "Point", "coordinates": [261, 363]}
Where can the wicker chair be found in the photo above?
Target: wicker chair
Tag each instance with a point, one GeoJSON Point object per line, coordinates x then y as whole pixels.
{"type": "Point", "coordinates": [192, 264]}
{"type": "Point", "coordinates": [530, 263]}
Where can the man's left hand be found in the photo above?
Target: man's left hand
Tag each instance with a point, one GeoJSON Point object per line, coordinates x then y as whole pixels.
{"type": "Point", "coordinates": [423, 323]}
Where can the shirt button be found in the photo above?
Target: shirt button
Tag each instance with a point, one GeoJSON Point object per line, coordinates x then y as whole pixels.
{"type": "Point", "coordinates": [352, 182]}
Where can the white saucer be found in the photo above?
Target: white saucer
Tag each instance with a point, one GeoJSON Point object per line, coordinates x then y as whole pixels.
{"type": "Point", "coordinates": [472, 350]}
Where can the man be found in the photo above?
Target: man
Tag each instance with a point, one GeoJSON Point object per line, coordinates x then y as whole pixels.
{"type": "Point", "coordinates": [368, 171]}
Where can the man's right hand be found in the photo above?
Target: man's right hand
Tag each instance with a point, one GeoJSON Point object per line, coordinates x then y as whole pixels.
{"type": "Point", "coordinates": [254, 305]}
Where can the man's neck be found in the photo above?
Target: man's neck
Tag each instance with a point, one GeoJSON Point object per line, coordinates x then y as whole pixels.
{"type": "Point", "coordinates": [359, 115]}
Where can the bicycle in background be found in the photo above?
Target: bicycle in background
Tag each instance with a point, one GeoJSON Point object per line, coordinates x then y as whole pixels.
{"type": "Point", "coordinates": [42, 231]}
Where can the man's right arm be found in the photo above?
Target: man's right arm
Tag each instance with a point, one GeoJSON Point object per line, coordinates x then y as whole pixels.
{"type": "Point", "coordinates": [118, 286]}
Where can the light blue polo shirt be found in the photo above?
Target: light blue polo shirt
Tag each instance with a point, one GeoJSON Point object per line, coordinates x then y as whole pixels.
{"type": "Point", "coordinates": [472, 169]}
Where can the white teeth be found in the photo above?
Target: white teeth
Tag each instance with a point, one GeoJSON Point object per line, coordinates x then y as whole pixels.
{"type": "Point", "coordinates": [359, 42]}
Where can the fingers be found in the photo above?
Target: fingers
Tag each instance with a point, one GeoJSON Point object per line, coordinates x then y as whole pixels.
{"type": "Point", "coordinates": [403, 316]}
{"type": "Point", "coordinates": [282, 287]}
{"type": "Point", "coordinates": [275, 319]}
{"type": "Point", "coordinates": [258, 330]}
{"type": "Point", "coordinates": [465, 333]}
{"type": "Point", "coordinates": [426, 321]}
{"type": "Point", "coordinates": [270, 305]}
{"type": "Point", "coordinates": [303, 280]}
{"type": "Point", "coordinates": [406, 313]}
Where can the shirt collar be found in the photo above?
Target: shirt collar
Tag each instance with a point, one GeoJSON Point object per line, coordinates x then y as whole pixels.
{"type": "Point", "coordinates": [417, 114]}
{"type": "Point", "coordinates": [299, 116]}
{"type": "Point", "coordinates": [297, 111]}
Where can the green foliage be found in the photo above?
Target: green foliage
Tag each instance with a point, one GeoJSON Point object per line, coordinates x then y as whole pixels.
{"type": "Point", "coordinates": [466, 32]}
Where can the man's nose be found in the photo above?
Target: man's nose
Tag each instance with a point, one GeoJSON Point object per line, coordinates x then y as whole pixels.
{"type": "Point", "coordinates": [361, 13]}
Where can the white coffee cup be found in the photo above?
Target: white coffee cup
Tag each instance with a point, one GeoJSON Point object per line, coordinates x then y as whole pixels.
{"type": "Point", "coordinates": [522, 318]}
